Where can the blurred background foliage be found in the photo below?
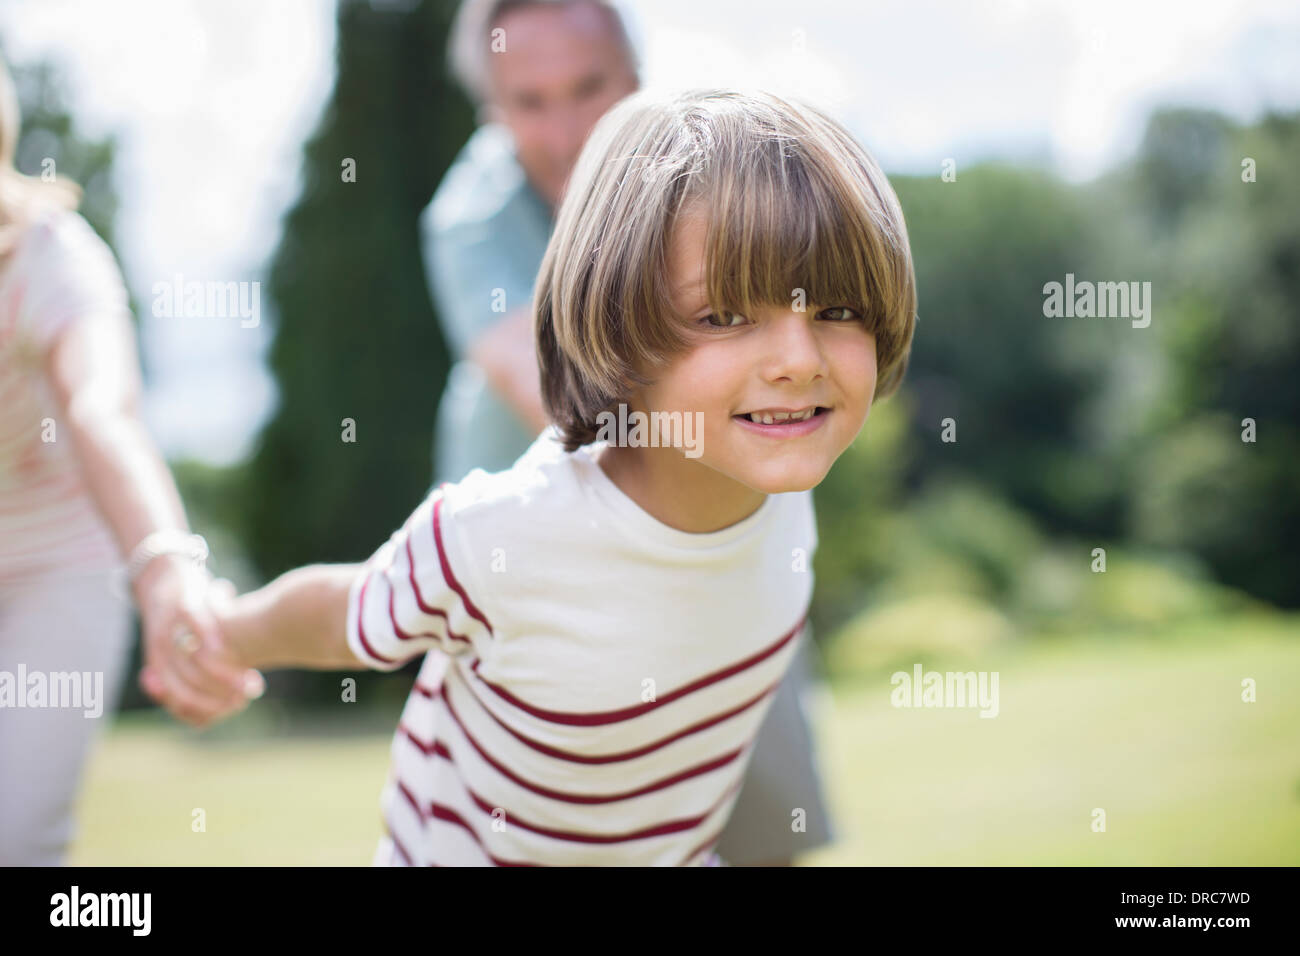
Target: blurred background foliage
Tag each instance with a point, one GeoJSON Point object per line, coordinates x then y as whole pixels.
{"type": "Point", "coordinates": [49, 132]}
{"type": "Point", "coordinates": [1073, 434]}
{"type": "Point", "coordinates": [1081, 433]}
{"type": "Point", "coordinates": [356, 336]}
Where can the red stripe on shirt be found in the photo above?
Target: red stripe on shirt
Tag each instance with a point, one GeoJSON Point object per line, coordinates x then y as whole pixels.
{"type": "Point", "coordinates": [361, 624]}
{"type": "Point", "coordinates": [439, 748]}
{"type": "Point", "coordinates": [629, 713]}
{"type": "Point", "coordinates": [419, 599]}
{"type": "Point", "coordinates": [397, 844]}
{"type": "Point", "coordinates": [706, 845]}
{"type": "Point", "coordinates": [665, 782]}
{"type": "Point", "coordinates": [446, 814]}
{"type": "Point", "coordinates": [570, 836]}
{"type": "Point", "coordinates": [627, 754]}
{"type": "Point", "coordinates": [447, 574]}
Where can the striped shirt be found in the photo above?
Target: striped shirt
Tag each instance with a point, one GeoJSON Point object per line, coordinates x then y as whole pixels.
{"type": "Point", "coordinates": [594, 679]}
{"type": "Point", "coordinates": [59, 272]}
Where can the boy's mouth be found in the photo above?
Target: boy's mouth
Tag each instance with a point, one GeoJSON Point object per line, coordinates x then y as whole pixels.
{"type": "Point", "coordinates": [784, 422]}
{"type": "Point", "coordinates": [775, 416]}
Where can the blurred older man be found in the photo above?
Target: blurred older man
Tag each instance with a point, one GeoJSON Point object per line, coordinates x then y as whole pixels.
{"type": "Point", "coordinates": [542, 72]}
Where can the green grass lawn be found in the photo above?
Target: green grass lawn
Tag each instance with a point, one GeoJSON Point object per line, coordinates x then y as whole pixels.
{"type": "Point", "coordinates": [1153, 731]}
{"type": "Point", "coordinates": [281, 799]}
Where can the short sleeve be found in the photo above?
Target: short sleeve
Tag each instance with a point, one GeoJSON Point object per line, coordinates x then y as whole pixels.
{"type": "Point", "coordinates": [464, 266]}
{"type": "Point", "coordinates": [71, 274]}
{"type": "Point", "coordinates": [409, 597]}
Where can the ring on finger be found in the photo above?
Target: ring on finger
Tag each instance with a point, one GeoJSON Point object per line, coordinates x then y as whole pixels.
{"type": "Point", "coordinates": [185, 640]}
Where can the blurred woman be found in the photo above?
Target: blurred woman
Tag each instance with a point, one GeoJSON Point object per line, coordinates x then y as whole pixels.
{"type": "Point", "coordinates": [83, 490]}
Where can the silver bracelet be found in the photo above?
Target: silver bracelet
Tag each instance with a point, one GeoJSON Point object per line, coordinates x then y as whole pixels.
{"type": "Point", "coordinates": [192, 546]}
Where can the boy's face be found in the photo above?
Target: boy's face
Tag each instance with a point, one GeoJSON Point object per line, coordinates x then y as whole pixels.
{"type": "Point", "coordinates": [776, 358]}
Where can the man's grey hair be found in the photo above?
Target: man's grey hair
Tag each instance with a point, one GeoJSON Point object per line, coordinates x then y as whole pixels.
{"type": "Point", "coordinates": [469, 45]}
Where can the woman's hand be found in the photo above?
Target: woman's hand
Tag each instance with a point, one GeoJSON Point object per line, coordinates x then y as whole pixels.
{"type": "Point", "coordinates": [93, 373]}
{"type": "Point", "coordinates": [198, 678]}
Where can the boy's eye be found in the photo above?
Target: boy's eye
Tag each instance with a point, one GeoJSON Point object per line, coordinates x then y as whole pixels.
{"type": "Point", "coordinates": [728, 316]}
{"type": "Point", "coordinates": [839, 313]}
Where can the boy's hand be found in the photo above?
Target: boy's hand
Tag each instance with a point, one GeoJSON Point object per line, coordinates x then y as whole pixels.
{"type": "Point", "coordinates": [189, 667]}
{"type": "Point", "coordinates": [221, 601]}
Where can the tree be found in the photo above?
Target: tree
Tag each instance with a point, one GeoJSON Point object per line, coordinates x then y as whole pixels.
{"type": "Point", "coordinates": [1230, 278]}
{"type": "Point", "coordinates": [358, 355]}
{"type": "Point", "coordinates": [49, 133]}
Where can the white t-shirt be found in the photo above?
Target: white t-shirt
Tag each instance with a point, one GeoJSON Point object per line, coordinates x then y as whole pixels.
{"type": "Point", "coordinates": [59, 272]}
{"type": "Point", "coordinates": [595, 679]}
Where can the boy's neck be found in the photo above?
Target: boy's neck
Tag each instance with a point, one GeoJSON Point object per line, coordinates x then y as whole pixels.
{"type": "Point", "coordinates": [679, 492]}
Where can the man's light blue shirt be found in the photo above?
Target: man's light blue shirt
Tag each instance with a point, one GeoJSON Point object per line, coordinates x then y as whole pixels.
{"type": "Point", "coordinates": [483, 236]}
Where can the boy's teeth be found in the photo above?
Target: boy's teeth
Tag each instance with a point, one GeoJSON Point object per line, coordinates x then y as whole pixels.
{"type": "Point", "coordinates": [771, 418]}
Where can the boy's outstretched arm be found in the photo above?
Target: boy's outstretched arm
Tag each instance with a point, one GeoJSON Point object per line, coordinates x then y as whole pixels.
{"type": "Point", "coordinates": [298, 620]}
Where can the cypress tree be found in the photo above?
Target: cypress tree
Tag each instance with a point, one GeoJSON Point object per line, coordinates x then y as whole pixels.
{"type": "Point", "coordinates": [356, 337]}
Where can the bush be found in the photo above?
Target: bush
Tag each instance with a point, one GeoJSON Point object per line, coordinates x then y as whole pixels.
{"type": "Point", "coordinates": [923, 628]}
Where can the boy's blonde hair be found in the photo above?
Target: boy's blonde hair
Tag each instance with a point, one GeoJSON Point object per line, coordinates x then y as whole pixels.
{"type": "Point", "coordinates": [791, 200]}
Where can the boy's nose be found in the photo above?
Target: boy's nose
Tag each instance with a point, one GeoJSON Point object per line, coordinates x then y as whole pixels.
{"type": "Point", "coordinates": [793, 349]}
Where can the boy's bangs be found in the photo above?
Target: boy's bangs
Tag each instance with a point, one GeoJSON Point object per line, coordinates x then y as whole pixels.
{"type": "Point", "coordinates": [781, 224]}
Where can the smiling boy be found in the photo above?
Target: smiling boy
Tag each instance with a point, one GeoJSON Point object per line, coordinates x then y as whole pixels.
{"type": "Point", "coordinates": [617, 618]}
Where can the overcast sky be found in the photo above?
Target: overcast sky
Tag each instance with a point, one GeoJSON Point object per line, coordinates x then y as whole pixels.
{"type": "Point", "coordinates": [212, 99]}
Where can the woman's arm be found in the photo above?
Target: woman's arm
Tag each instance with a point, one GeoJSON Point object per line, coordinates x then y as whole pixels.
{"type": "Point", "coordinates": [95, 378]}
